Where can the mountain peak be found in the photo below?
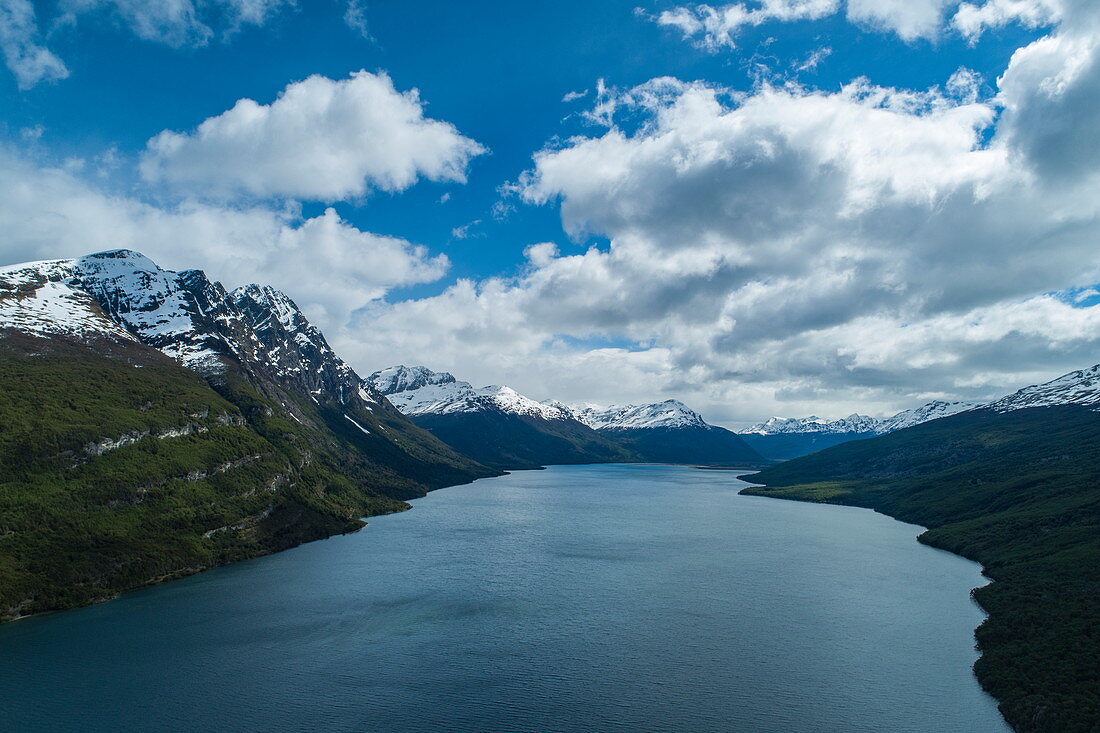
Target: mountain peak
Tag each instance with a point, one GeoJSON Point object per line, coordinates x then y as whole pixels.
{"type": "Point", "coordinates": [127, 258]}
{"type": "Point", "coordinates": [401, 378]}
{"type": "Point", "coordinates": [667, 414]}
{"type": "Point", "coordinates": [417, 390]}
{"type": "Point", "coordinates": [123, 294]}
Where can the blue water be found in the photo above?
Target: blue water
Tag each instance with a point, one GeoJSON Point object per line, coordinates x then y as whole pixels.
{"type": "Point", "coordinates": [582, 598]}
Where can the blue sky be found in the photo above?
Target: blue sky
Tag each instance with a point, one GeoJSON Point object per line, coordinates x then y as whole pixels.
{"type": "Point", "coordinates": [496, 73]}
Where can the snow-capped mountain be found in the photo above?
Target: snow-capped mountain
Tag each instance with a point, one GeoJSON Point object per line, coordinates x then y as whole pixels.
{"type": "Point", "coordinates": [123, 295]}
{"type": "Point", "coordinates": [397, 379]}
{"type": "Point", "coordinates": [668, 432]}
{"type": "Point", "coordinates": [496, 425]}
{"type": "Point", "coordinates": [788, 437]}
{"type": "Point", "coordinates": [1081, 387]}
{"type": "Point", "coordinates": [854, 423]}
{"type": "Point", "coordinates": [667, 414]}
{"type": "Point", "coordinates": [783, 438]}
{"type": "Point", "coordinates": [859, 424]}
{"type": "Point", "coordinates": [254, 332]}
{"type": "Point", "coordinates": [932, 411]}
{"type": "Point", "coordinates": [418, 390]}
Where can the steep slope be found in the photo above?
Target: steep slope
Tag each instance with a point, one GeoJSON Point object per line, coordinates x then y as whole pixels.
{"type": "Point", "coordinates": [932, 411]}
{"type": "Point", "coordinates": [669, 432]}
{"type": "Point", "coordinates": [782, 438]}
{"type": "Point", "coordinates": [1016, 488]}
{"type": "Point", "coordinates": [156, 425]}
{"type": "Point", "coordinates": [494, 425]}
{"type": "Point", "coordinates": [1076, 388]}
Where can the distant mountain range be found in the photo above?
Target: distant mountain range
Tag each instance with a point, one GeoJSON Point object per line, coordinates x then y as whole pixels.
{"type": "Point", "coordinates": [494, 425]}
{"type": "Point", "coordinates": [782, 438]}
{"type": "Point", "coordinates": [669, 432]}
{"type": "Point", "coordinates": [502, 428]}
{"type": "Point", "coordinates": [1014, 485]}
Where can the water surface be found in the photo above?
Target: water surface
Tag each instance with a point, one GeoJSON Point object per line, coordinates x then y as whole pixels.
{"type": "Point", "coordinates": [581, 598]}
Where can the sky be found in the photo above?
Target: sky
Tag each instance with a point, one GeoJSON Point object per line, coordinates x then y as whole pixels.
{"type": "Point", "coordinates": [770, 207]}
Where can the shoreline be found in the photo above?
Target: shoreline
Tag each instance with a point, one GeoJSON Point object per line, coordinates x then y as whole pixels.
{"type": "Point", "coordinates": [921, 538]}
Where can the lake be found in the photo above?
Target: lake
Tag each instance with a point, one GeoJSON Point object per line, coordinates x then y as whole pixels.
{"type": "Point", "coordinates": [579, 598]}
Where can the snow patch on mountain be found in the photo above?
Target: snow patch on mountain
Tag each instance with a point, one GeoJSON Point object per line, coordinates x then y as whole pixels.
{"type": "Point", "coordinates": [1081, 387]}
{"type": "Point", "coordinates": [932, 411]}
{"type": "Point", "coordinates": [667, 414]}
{"type": "Point", "coordinates": [36, 298]}
{"type": "Point", "coordinates": [356, 424]}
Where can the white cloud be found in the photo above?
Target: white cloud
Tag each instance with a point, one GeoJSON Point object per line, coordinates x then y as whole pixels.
{"type": "Point", "coordinates": [909, 19]}
{"type": "Point", "coordinates": [466, 230]}
{"type": "Point", "coordinates": [714, 28]}
{"type": "Point", "coordinates": [328, 266]}
{"type": "Point", "coordinates": [178, 23]}
{"type": "Point", "coordinates": [321, 139]}
{"type": "Point", "coordinates": [32, 134]}
{"type": "Point", "coordinates": [814, 59]}
{"type": "Point", "coordinates": [355, 15]}
{"type": "Point", "coordinates": [973, 20]}
{"type": "Point", "coordinates": [26, 58]}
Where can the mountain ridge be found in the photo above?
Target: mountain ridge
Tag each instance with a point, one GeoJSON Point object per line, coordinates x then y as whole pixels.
{"type": "Point", "coordinates": [784, 438]}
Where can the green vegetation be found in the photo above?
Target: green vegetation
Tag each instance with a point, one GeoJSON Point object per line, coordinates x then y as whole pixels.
{"type": "Point", "coordinates": [1018, 493]}
{"type": "Point", "coordinates": [784, 446]}
{"type": "Point", "coordinates": [508, 441]}
{"type": "Point", "coordinates": [121, 468]}
{"type": "Point", "coordinates": [706, 446]}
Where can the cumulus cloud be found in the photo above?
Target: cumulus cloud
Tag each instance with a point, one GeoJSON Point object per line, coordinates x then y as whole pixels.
{"type": "Point", "coordinates": [1051, 98]}
{"type": "Point", "coordinates": [24, 54]}
{"type": "Point", "coordinates": [792, 250]}
{"type": "Point", "coordinates": [328, 266]}
{"type": "Point", "coordinates": [321, 139]}
{"type": "Point", "coordinates": [909, 19]}
{"type": "Point", "coordinates": [973, 20]}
